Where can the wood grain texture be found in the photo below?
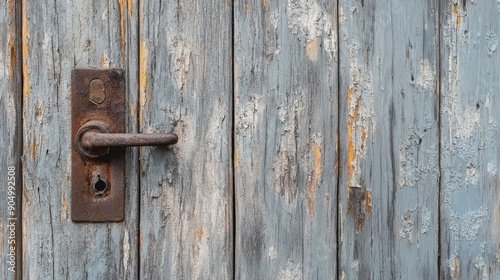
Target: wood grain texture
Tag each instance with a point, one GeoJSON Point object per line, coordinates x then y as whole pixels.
{"type": "Point", "coordinates": [285, 139]}
{"type": "Point", "coordinates": [186, 219]}
{"type": "Point", "coordinates": [10, 136]}
{"type": "Point", "coordinates": [470, 200]}
{"type": "Point", "coordinates": [58, 36]}
{"type": "Point", "coordinates": [389, 139]}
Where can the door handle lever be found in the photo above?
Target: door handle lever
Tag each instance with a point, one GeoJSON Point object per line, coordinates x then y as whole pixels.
{"type": "Point", "coordinates": [94, 139]}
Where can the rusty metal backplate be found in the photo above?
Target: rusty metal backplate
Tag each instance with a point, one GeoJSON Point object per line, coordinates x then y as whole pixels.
{"type": "Point", "coordinates": [97, 184]}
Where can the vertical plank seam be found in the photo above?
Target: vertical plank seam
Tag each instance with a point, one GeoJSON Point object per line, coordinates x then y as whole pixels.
{"type": "Point", "coordinates": [232, 139]}
{"type": "Point", "coordinates": [138, 161]}
{"type": "Point", "coordinates": [438, 90]}
{"type": "Point", "coordinates": [19, 136]}
{"type": "Point", "coordinates": [339, 102]}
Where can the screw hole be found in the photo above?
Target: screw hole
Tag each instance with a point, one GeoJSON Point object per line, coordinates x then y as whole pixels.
{"type": "Point", "coordinates": [100, 186]}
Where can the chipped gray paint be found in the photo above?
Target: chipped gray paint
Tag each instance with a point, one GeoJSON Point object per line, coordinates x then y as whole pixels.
{"type": "Point", "coordinates": [10, 130]}
{"type": "Point", "coordinates": [470, 227]}
{"type": "Point", "coordinates": [285, 139]}
{"type": "Point", "coordinates": [388, 139]}
{"type": "Point", "coordinates": [57, 37]}
{"type": "Point", "coordinates": [185, 86]}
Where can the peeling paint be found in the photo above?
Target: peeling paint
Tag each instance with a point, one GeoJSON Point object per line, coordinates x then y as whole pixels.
{"type": "Point", "coordinates": [179, 57]}
{"type": "Point", "coordinates": [454, 265]}
{"type": "Point", "coordinates": [104, 59]}
{"type": "Point", "coordinates": [480, 263]}
{"type": "Point", "coordinates": [468, 225]}
{"type": "Point", "coordinates": [426, 79]}
{"type": "Point", "coordinates": [291, 271]}
{"type": "Point", "coordinates": [313, 21]}
{"type": "Point", "coordinates": [312, 49]}
{"type": "Point", "coordinates": [25, 39]}
{"type": "Point", "coordinates": [412, 168]}
{"type": "Point", "coordinates": [144, 88]}
{"type": "Point", "coordinates": [271, 253]}
{"type": "Point", "coordinates": [407, 229]}
{"type": "Point", "coordinates": [426, 223]}
{"type": "Point", "coordinates": [314, 178]}
{"type": "Point", "coordinates": [361, 117]}
{"type": "Point", "coordinates": [492, 40]}
{"type": "Point", "coordinates": [126, 249]}
{"type": "Point", "coordinates": [121, 4]}
{"type": "Point", "coordinates": [368, 201]}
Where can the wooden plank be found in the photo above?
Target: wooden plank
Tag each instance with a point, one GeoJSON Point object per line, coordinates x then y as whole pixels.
{"type": "Point", "coordinates": [10, 140]}
{"type": "Point", "coordinates": [286, 116]}
{"type": "Point", "coordinates": [470, 147]}
{"type": "Point", "coordinates": [389, 139]}
{"type": "Point", "coordinates": [185, 86]}
{"type": "Point", "coordinates": [58, 36]}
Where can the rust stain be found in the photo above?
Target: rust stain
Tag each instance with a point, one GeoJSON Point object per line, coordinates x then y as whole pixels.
{"type": "Point", "coordinates": [200, 234]}
{"type": "Point", "coordinates": [315, 178]}
{"type": "Point", "coordinates": [312, 49]}
{"type": "Point", "coordinates": [455, 11]}
{"type": "Point", "coordinates": [351, 152]}
{"type": "Point", "coordinates": [368, 201]}
{"type": "Point", "coordinates": [264, 3]}
{"type": "Point", "coordinates": [237, 156]}
{"type": "Point", "coordinates": [143, 79]}
{"type": "Point", "coordinates": [121, 3]}
{"type": "Point", "coordinates": [456, 267]}
{"type": "Point", "coordinates": [248, 5]}
{"type": "Point", "coordinates": [25, 33]}
{"type": "Point", "coordinates": [355, 201]}
{"type": "Point", "coordinates": [12, 51]}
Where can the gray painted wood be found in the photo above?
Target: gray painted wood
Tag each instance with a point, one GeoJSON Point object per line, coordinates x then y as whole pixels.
{"type": "Point", "coordinates": [285, 139]}
{"type": "Point", "coordinates": [10, 139]}
{"type": "Point", "coordinates": [470, 201]}
{"type": "Point", "coordinates": [58, 36]}
{"type": "Point", "coordinates": [186, 219]}
{"type": "Point", "coordinates": [389, 140]}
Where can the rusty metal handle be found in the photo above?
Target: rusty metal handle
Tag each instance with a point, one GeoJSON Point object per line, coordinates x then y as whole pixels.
{"type": "Point", "coordinates": [92, 140]}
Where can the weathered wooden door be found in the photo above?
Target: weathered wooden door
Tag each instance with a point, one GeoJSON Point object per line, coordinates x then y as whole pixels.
{"type": "Point", "coordinates": [318, 139]}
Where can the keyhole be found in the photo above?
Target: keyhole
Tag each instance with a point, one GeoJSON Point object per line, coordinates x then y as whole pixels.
{"type": "Point", "coordinates": [100, 186]}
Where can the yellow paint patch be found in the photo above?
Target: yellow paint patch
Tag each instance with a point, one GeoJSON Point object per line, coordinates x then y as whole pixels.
{"type": "Point", "coordinates": [312, 49]}
{"type": "Point", "coordinates": [143, 79]}
{"type": "Point", "coordinates": [25, 33]}
{"type": "Point", "coordinates": [200, 233]}
{"type": "Point", "coordinates": [132, 110]}
{"type": "Point", "coordinates": [237, 156]}
{"type": "Point", "coordinates": [368, 201]}
{"type": "Point", "coordinates": [121, 3]}
{"type": "Point", "coordinates": [314, 180]}
{"type": "Point", "coordinates": [456, 267]}
{"type": "Point", "coordinates": [104, 60]}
